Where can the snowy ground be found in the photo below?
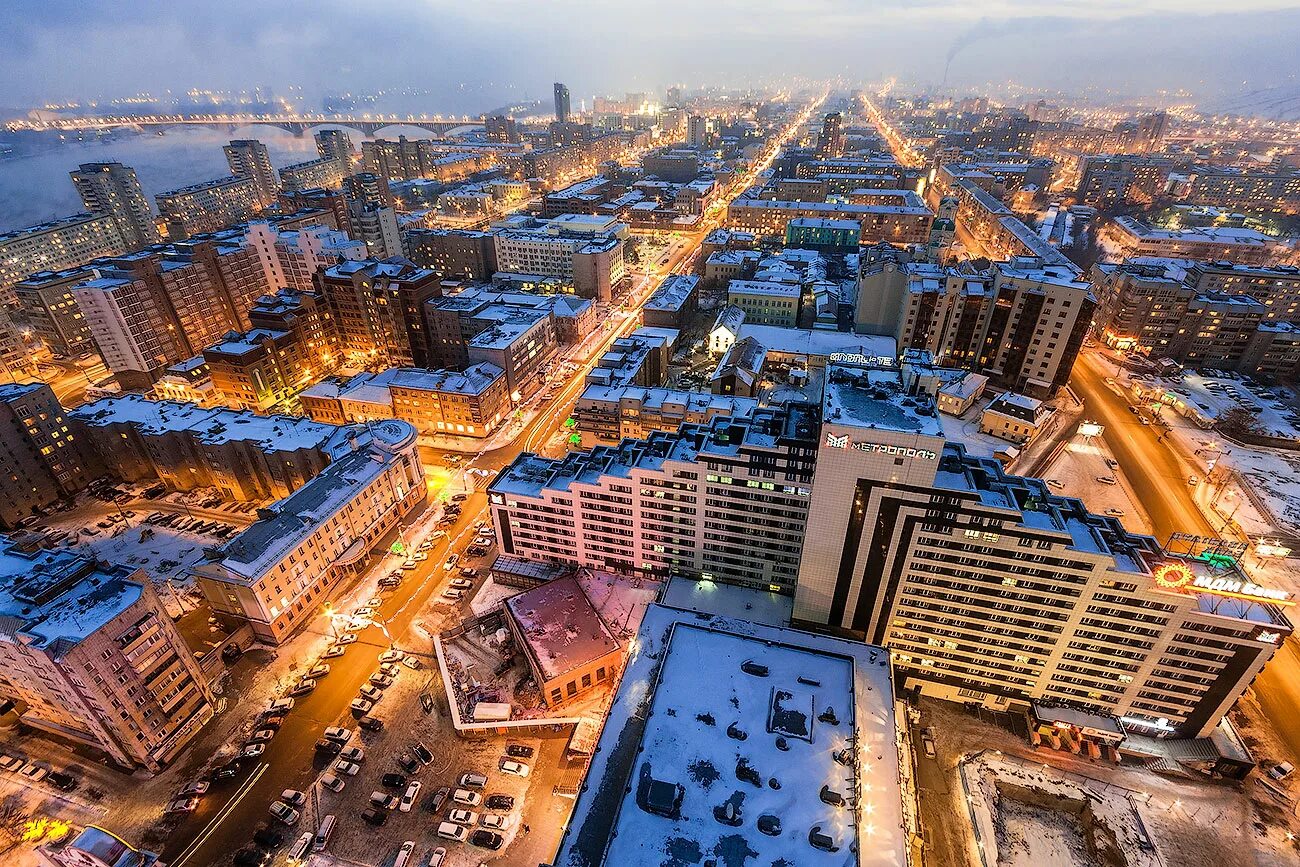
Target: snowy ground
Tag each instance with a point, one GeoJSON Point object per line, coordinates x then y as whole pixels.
{"type": "Point", "coordinates": [1078, 467]}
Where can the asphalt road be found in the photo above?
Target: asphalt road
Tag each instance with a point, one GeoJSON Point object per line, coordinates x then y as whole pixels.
{"type": "Point", "coordinates": [1160, 482]}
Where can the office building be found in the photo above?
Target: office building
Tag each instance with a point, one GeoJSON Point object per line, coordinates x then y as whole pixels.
{"type": "Point", "coordinates": [113, 189]}
{"type": "Point", "coordinates": [473, 402]}
{"type": "Point", "coordinates": [686, 502]}
{"type": "Point", "coordinates": [378, 310]}
{"type": "Point", "coordinates": [990, 588]}
{"type": "Point", "coordinates": [562, 109]}
{"type": "Point", "coordinates": [832, 236]}
{"type": "Point", "coordinates": [56, 246]}
{"type": "Point", "coordinates": [280, 572]}
{"type": "Point", "coordinates": [455, 320]}
{"type": "Point", "coordinates": [519, 344]}
{"type": "Point", "coordinates": [249, 158]}
{"type": "Point", "coordinates": [830, 144]}
{"type": "Point", "coordinates": [40, 460]}
{"type": "Point", "coordinates": [767, 302]}
{"type": "Point", "coordinates": [92, 656]}
{"type": "Point", "coordinates": [209, 206]}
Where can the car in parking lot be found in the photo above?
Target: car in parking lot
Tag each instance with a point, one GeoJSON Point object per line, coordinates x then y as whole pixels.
{"type": "Point", "coordinates": [452, 831]}
{"type": "Point", "coordinates": [329, 747]}
{"type": "Point", "coordinates": [198, 787]}
{"type": "Point", "coordinates": [227, 771]}
{"type": "Point", "coordinates": [338, 733]}
{"type": "Point", "coordinates": [371, 724]}
{"type": "Point", "coordinates": [379, 681]}
{"type": "Point", "coordinates": [392, 781]}
{"type": "Point", "coordinates": [1107, 480]}
{"type": "Point", "coordinates": [466, 797]}
{"type": "Point", "coordinates": [362, 706]}
{"type": "Point", "coordinates": [370, 692]}
{"type": "Point", "coordinates": [364, 611]}
{"type": "Point", "coordinates": [390, 656]}
{"type": "Point", "coordinates": [476, 550]}
{"type": "Point", "coordinates": [1115, 513]}
{"type": "Point", "coordinates": [435, 801]}
{"type": "Point", "coordinates": [252, 751]}
{"type": "Point", "coordinates": [407, 762]}
{"type": "Point", "coordinates": [460, 585]}
{"type": "Point", "coordinates": [271, 722]}
{"type": "Point", "coordinates": [282, 811]}
{"type": "Point", "coordinates": [371, 816]}
{"type": "Point", "coordinates": [496, 821]}
{"type": "Point", "coordinates": [303, 687]}
{"type": "Point", "coordinates": [184, 805]}
{"type": "Point", "coordinates": [519, 751]}
{"type": "Point", "coordinates": [500, 802]}
{"type": "Point", "coordinates": [293, 797]}
{"type": "Point", "coordinates": [334, 651]}
{"type": "Point", "coordinates": [279, 706]}
{"type": "Point", "coordinates": [408, 797]}
{"type": "Point", "coordinates": [459, 498]}
{"type": "Point", "coordinates": [413, 663]}
{"type": "Point", "coordinates": [451, 562]}
{"type": "Point", "coordinates": [384, 801]}
{"type": "Point", "coordinates": [389, 582]}
{"type": "Point", "coordinates": [10, 763]}
{"type": "Point", "coordinates": [404, 854]}
{"type": "Point", "coordinates": [343, 766]}
{"type": "Point", "coordinates": [62, 780]}
{"type": "Point", "coordinates": [318, 670]}
{"type": "Point", "coordinates": [452, 595]}
{"type": "Point", "coordinates": [519, 769]}
{"type": "Point", "coordinates": [251, 856]}
{"type": "Point", "coordinates": [408, 565]}
{"type": "Point", "coordinates": [422, 753]}
{"type": "Point", "coordinates": [472, 780]}
{"type": "Point", "coordinates": [332, 782]}
{"type": "Point", "coordinates": [463, 817]}
{"type": "Point", "coordinates": [353, 754]}
{"type": "Point", "coordinates": [390, 669]}
{"type": "Point", "coordinates": [438, 856]}
{"type": "Point", "coordinates": [345, 638]}
{"type": "Point", "coordinates": [485, 839]}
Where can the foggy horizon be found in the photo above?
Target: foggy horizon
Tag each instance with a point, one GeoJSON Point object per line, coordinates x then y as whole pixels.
{"type": "Point", "coordinates": [496, 53]}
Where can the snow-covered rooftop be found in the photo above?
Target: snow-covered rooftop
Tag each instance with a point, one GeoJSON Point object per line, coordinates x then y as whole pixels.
{"type": "Point", "coordinates": [715, 711]}
{"type": "Point", "coordinates": [561, 629]}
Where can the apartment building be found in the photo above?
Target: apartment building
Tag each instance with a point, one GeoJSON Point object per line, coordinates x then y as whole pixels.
{"type": "Point", "coordinates": [454, 320]}
{"type": "Point", "coordinates": [134, 334]}
{"type": "Point", "coordinates": [290, 259]}
{"type": "Point", "coordinates": [1267, 192]}
{"type": "Point", "coordinates": [305, 316]}
{"type": "Point", "coordinates": [1107, 180]}
{"type": "Point", "coordinates": [93, 657]}
{"type": "Point", "coordinates": [49, 307]}
{"type": "Point", "coordinates": [906, 222]}
{"type": "Point", "coordinates": [991, 588]}
{"type": "Point", "coordinates": [611, 413]}
{"type": "Point", "coordinates": [674, 302]}
{"type": "Point", "coordinates": [1133, 238]}
{"type": "Point", "coordinates": [40, 460]}
{"type": "Point", "coordinates": [378, 310]}
{"type": "Point", "coordinates": [246, 456]}
{"type": "Point", "coordinates": [56, 246]}
{"type": "Point", "coordinates": [306, 548]}
{"type": "Point", "coordinates": [113, 189]}
{"type": "Point", "coordinates": [519, 344]}
{"type": "Point", "coordinates": [259, 370]}
{"type": "Point", "coordinates": [686, 502]}
{"type": "Point", "coordinates": [209, 206]}
{"type": "Point", "coordinates": [453, 253]}
{"type": "Point", "coordinates": [470, 402]}
{"type": "Point", "coordinates": [249, 158]}
{"type": "Point", "coordinates": [588, 250]}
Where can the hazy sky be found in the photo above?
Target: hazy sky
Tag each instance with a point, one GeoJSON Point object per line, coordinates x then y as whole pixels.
{"type": "Point", "coordinates": [475, 54]}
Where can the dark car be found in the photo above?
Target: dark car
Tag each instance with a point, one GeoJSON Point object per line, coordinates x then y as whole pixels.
{"type": "Point", "coordinates": [330, 748]}
{"type": "Point", "coordinates": [231, 652]}
{"type": "Point", "coordinates": [406, 763]}
{"type": "Point", "coordinates": [374, 817]}
{"type": "Point", "coordinates": [272, 722]}
{"type": "Point", "coordinates": [371, 724]}
{"type": "Point", "coordinates": [437, 799]}
{"type": "Point", "coordinates": [62, 780]}
{"type": "Point", "coordinates": [422, 753]}
{"type": "Point", "coordinates": [393, 781]}
{"type": "Point", "coordinates": [267, 837]}
{"type": "Point", "coordinates": [486, 839]}
{"type": "Point", "coordinates": [251, 856]}
{"type": "Point", "coordinates": [519, 751]}
{"type": "Point", "coordinates": [228, 771]}
{"type": "Point", "coordinates": [500, 802]}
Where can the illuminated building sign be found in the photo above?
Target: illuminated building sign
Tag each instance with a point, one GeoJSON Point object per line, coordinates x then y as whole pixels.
{"type": "Point", "coordinates": [843, 442]}
{"type": "Point", "coordinates": [862, 360]}
{"type": "Point", "coordinates": [1177, 576]}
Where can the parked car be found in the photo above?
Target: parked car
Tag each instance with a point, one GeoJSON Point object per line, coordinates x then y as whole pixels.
{"type": "Point", "coordinates": [343, 766]}
{"type": "Point", "coordinates": [338, 733]}
{"type": "Point", "coordinates": [438, 856]}
{"type": "Point", "coordinates": [353, 754]}
{"type": "Point", "coordinates": [228, 771]}
{"type": "Point", "coordinates": [460, 584]}
{"type": "Point", "coordinates": [463, 817]}
{"type": "Point", "coordinates": [1107, 480]}
{"type": "Point", "coordinates": [1281, 771]}
{"type": "Point", "coordinates": [62, 780]}
{"type": "Point", "coordinates": [282, 811]}
{"type": "Point", "coordinates": [334, 651]}
{"type": "Point", "coordinates": [383, 801]}
{"type": "Point", "coordinates": [251, 856]}
{"type": "Point", "coordinates": [267, 837]}
{"type": "Point", "coordinates": [392, 781]}
{"type": "Point", "coordinates": [407, 763]}
{"type": "Point", "coordinates": [496, 821]}
{"type": "Point", "coordinates": [500, 802]}
{"type": "Point", "coordinates": [451, 562]}
{"type": "Point", "coordinates": [10, 763]}
{"type": "Point", "coordinates": [404, 854]}
{"type": "Point", "coordinates": [466, 797]}
{"type": "Point", "coordinates": [198, 787]}
{"type": "Point", "coordinates": [422, 753]}
{"type": "Point", "coordinates": [362, 706]}
{"type": "Point", "coordinates": [390, 656]}
{"type": "Point", "coordinates": [519, 769]}
{"type": "Point", "coordinates": [390, 669]}
{"type": "Point", "coordinates": [435, 801]}
{"type": "Point", "coordinates": [318, 670]}
{"type": "Point", "coordinates": [453, 595]}
{"type": "Point", "coordinates": [371, 724]}
{"type": "Point", "coordinates": [279, 706]}
{"type": "Point", "coordinates": [303, 687]}
{"type": "Point", "coordinates": [371, 816]}
{"type": "Point", "coordinates": [472, 780]}
{"type": "Point", "coordinates": [332, 782]}
{"type": "Point", "coordinates": [184, 805]}
{"type": "Point", "coordinates": [370, 693]}
{"type": "Point", "coordinates": [408, 797]}
{"type": "Point", "coordinates": [293, 797]}
{"type": "Point", "coordinates": [413, 663]}
{"type": "Point", "coordinates": [486, 839]}
{"type": "Point", "coordinates": [519, 751]}
{"type": "Point", "coordinates": [452, 831]}
{"type": "Point", "coordinates": [379, 681]}
{"type": "Point", "coordinates": [328, 747]}
{"type": "Point", "coordinates": [252, 751]}
{"type": "Point", "coordinates": [345, 638]}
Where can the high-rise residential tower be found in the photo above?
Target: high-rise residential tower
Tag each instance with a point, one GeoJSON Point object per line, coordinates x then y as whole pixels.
{"type": "Point", "coordinates": [249, 158]}
{"type": "Point", "coordinates": [113, 189]}
{"type": "Point", "coordinates": [561, 103]}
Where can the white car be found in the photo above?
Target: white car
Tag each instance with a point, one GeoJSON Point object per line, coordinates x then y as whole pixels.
{"type": "Point", "coordinates": [419, 556]}
{"type": "Point", "coordinates": [333, 783]}
{"type": "Point", "coordinates": [496, 821]}
{"type": "Point", "coordinates": [439, 855]}
{"type": "Point", "coordinates": [519, 769]}
{"type": "Point", "coordinates": [391, 656]}
{"type": "Point", "coordinates": [334, 651]}
{"type": "Point", "coordinates": [345, 638]}
{"type": "Point", "coordinates": [293, 797]}
{"type": "Point", "coordinates": [362, 705]}
{"type": "Point", "coordinates": [466, 797]}
{"type": "Point", "coordinates": [318, 670]}
{"type": "Point", "coordinates": [452, 831]}
{"type": "Point", "coordinates": [262, 735]}
{"type": "Point", "coordinates": [282, 811]}
{"type": "Point", "coordinates": [463, 817]}
{"type": "Point", "coordinates": [453, 595]}
{"type": "Point", "coordinates": [353, 754]}
{"type": "Point", "coordinates": [370, 693]}
{"type": "Point", "coordinates": [408, 797]}
{"type": "Point", "coordinates": [280, 705]}
{"type": "Point", "coordinates": [252, 751]}
{"type": "Point", "coordinates": [460, 584]}
{"type": "Point", "coordinates": [345, 767]}
{"type": "Point", "coordinates": [338, 733]}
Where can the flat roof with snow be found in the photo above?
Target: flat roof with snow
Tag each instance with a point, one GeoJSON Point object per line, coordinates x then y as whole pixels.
{"type": "Point", "coordinates": [705, 696]}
